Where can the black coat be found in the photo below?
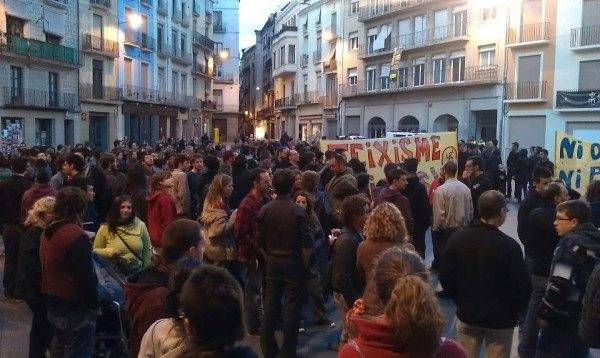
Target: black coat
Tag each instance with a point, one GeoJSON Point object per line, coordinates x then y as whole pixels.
{"type": "Point", "coordinates": [345, 277]}
{"type": "Point", "coordinates": [11, 192]}
{"type": "Point", "coordinates": [484, 273]}
{"type": "Point", "coordinates": [512, 160]}
{"type": "Point", "coordinates": [541, 240]}
{"type": "Point", "coordinates": [30, 269]}
{"type": "Point", "coordinates": [206, 179]}
{"type": "Point", "coordinates": [532, 201]}
{"type": "Point", "coordinates": [478, 186]}
{"type": "Point", "coordinates": [419, 204]}
{"type": "Point", "coordinates": [589, 325]}
{"type": "Point", "coordinates": [242, 186]}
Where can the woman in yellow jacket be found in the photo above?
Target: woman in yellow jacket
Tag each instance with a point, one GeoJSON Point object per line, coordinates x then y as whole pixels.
{"type": "Point", "coordinates": [124, 239]}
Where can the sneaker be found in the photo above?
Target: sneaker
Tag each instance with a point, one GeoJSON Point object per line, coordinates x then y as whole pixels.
{"type": "Point", "coordinates": [324, 322]}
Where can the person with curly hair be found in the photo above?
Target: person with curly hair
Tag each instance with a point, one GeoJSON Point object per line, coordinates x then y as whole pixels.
{"type": "Point", "coordinates": [406, 319]}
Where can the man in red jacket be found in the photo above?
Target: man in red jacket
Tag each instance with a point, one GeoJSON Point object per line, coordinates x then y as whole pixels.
{"type": "Point", "coordinates": [145, 291]}
{"type": "Point", "coordinates": [393, 194]}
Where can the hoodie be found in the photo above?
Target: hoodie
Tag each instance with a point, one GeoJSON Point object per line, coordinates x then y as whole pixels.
{"type": "Point", "coordinates": [33, 194]}
{"type": "Point", "coordinates": [395, 197]}
{"type": "Point", "coordinates": [376, 339]}
{"type": "Point", "coordinates": [161, 212]}
{"type": "Point", "coordinates": [145, 294]}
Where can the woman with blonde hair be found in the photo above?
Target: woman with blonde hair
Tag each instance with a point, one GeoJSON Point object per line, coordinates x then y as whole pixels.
{"type": "Point", "coordinates": [384, 228]}
{"type": "Point", "coordinates": [407, 321]}
{"type": "Point", "coordinates": [217, 220]}
{"type": "Point", "coordinates": [38, 218]}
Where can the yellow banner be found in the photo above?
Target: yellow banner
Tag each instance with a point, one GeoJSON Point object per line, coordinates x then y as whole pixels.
{"type": "Point", "coordinates": [577, 162]}
{"type": "Point", "coordinates": [432, 150]}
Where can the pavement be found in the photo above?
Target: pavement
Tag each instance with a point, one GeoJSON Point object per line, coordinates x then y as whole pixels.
{"type": "Point", "coordinates": [15, 318]}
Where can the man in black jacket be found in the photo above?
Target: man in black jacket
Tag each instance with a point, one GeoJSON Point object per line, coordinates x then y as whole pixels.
{"type": "Point", "coordinates": [11, 192]}
{"type": "Point", "coordinates": [541, 179]}
{"type": "Point", "coordinates": [284, 239]}
{"type": "Point", "coordinates": [512, 167]}
{"type": "Point", "coordinates": [539, 249]}
{"type": "Point", "coordinates": [484, 273]}
{"type": "Point", "coordinates": [575, 258]}
{"type": "Point", "coordinates": [420, 206]}
{"type": "Point", "coordinates": [477, 181]}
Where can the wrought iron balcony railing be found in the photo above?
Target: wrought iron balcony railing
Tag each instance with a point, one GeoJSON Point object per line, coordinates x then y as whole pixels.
{"type": "Point", "coordinates": [39, 50]}
{"type": "Point", "coordinates": [202, 40]}
{"type": "Point", "coordinates": [33, 98]}
{"type": "Point", "coordinates": [100, 45]}
{"type": "Point", "coordinates": [91, 91]}
{"type": "Point", "coordinates": [585, 36]}
{"type": "Point", "coordinates": [526, 91]}
{"type": "Point", "coordinates": [528, 33]}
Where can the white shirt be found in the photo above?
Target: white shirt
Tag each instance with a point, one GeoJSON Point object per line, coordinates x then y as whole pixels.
{"type": "Point", "coordinates": [452, 205]}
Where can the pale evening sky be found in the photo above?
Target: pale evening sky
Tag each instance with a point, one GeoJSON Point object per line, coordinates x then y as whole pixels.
{"type": "Point", "coordinates": [253, 14]}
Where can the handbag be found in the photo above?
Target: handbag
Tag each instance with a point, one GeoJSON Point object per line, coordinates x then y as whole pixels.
{"type": "Point", "coordinates": [124, 266]}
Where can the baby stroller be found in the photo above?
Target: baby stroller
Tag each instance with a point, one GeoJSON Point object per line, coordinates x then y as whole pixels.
{"type": "Point", "coordinates": [111, 336]}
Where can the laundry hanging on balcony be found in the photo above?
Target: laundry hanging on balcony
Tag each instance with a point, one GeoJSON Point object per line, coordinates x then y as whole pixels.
{"type": "Point", "coordinates": [384, 32]}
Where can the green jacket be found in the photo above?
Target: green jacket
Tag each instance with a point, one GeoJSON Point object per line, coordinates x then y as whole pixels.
{"type": "Point", "coordinates": [135, 235]}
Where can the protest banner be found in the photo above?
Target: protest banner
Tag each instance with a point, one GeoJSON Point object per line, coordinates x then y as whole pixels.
{"type": "Point", "coordinates": [577, 162]}
{"type": "Point", "coordinates": [432, 150]}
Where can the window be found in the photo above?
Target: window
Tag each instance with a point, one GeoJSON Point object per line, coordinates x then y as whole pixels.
{"type": "Point", "coordinates": [159, 37]}
{"type": "Point", "coordinates": [160, 73]}
{"type": "Point", "coordinates": [144, 75]}
{"type": "Point", "coordinates": [128, 69]}
{"type": "Point", "coordinates": [195, 87]}
{"type": "Point", "coordinates": [371, 37]}
{"type": "Point", "coordinates": [318, 76]}
{"type": "Point", "coordinates": [420, 34]}
{"type": "Point", "coordinates": [352, 76]}
{"type": "Point", "coordinates": [182, 39]}
{"type": "Point", "coordinates": [371, 79]}
{"type": "Point", "coordinates": [419, 73]}
{"type": "Point", "coordinates": [174, 40]}
{"type": "Point", "coordinates": [97, 26]}
{"type": "Point", "coordinates": [53, 39]}
{"type": "Point", "coordinates": [458, 68]}
{"type": "Point", "coordinates": [14, 26]}
{"type": "Point", "coordinates": [219, 70]}
{"type": "Point", "coordinates": [403, 77]}
{"type": "Point", "coordinates": [291, 54]}
{"type": "Point", "coordinates": [487, 55]}
{"type": "Point", "coordinates": [459, 19]}
{"type": "Point", "coordinates": [305, 82]}
{"type": "Point", "coordinates": [353, 40]}
{"type": "Point", "coordinates": [174, 86]}
{"type": "Point", "coordinates": [183, 83]}
{"type": "Point", "coordinates": [183, 14]}
{"type": "Point", "coordinates": [354, 7]}
{"type": "Point", "coordinates": [589, 75]}
{"type": "Point", "coordinates": [488, 13]}
{"type": "Point", "coordinates": [282, 56]}
{"type": "Point", "coordinates": [384, 77]}
{"type": "Point", "coordinates": [528, 76]}
{"type": "Point", "coordinates": [440, 24]}
{"type": "Point", "coordinates": [53, 88]}
{"type": "Point", "coordinates": [16, 81]}
{"type": "Point", "coordinates": [439, 70]}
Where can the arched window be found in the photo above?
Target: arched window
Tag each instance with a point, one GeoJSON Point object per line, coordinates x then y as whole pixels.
{"type": "Point", "coordinates": [408, 124]}
{"type": "Point", "coordinates": [445, 123]}
{"type": "Point", "coordinates": [376, 128]}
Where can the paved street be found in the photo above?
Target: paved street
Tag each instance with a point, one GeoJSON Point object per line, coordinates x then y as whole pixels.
{"type": "Point", "coordinates": [15, 319]}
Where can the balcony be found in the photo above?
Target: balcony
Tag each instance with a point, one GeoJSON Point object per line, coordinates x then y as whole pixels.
{"type": "Point", "coordinates": [330, 101]}
{"type": "Point", "coordinates": [266, 112]}
{"type": "Point", "coordinates": [471, 76]}
{"type": "Point", "coordinates": [39, 99]}
{"type": "Point", "coordinates": [317, 56]}
{"type": "Point", "coordinates": [389, 7]}
{"type": "Point", "coordinates": [452, 33]}
{"type": "Point", "coordinates": [225, 78]}
{"type": "Point", "coordinates": [287, 69]}
{"type": "Point", "coordinates": [147, 95]}
{"type": "Point", "coordinates": [147, 3]}
{"type": "Point", "coordinates": [36, 50]}
{"type": "Point", "coordinates": [525, 92]}
{"type": "Point", "coordinates": [285, 103]}
{"type": "Point", "coordinates": [208, 105]}
{"type": "Point", "coordinates": [147, 43]}
{"type": "Point", "coordinates": [307, 98]}
{"type": "Point", "coordinates": [585, 38]}
{"type": "Point", "coordinates": [104, 4]}
{"type": "Point", "coordinates": [97, 45]}
{"type": "Point", "coordinates": [529, 35]}
{"type": "Point", "coordinates": [285, 30]}
{"type": "Point", "coordinates": [203, 41]}
{"type": "Point", "coordinates": [578, 101]}
{"type": "Point", "coordinates": [58, 3]}
{"type": "Point", "coordinates": [201, 70]}
{"type": "Point", "coordinates": [161, 8]}
{"type": "Point", "coordinates": [219, 28]}
{"type": "Point", "coordinates": [330, 33]}
{"type": "Point", "coordinates": [330, 66]}
{"type": "Point", "coordinates": [304, 60]}
{"type": "Point", "coordinates": [96, 93]}
{"type": "Point", "coordinates": [139, 39]}
{"type": "Point", "coordinates": [176, 15]}
{"type": "Point", "coordinates": [163, 50]}
{"type": "Point", "coordinates": [182, 57]}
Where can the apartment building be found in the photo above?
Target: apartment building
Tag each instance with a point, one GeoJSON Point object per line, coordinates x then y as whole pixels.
{"type": "Point", "coordinates": [577, 70]}
{"type": "Point", "coordinates": [316, 95]}
{"type": "Point", "coordinates": [531, 45]}
{"type": "Point", "coordinates": [265, 93]}
{"type": "Point", "coordinates": [226, 84]}
{"type": "Point", "coordinates": [425, 66]}
{"type": "Point", "coordinates": [284, 46]}
{"type": "Point", "coordinates": [99, 92]}
{"type": "Point", "coordinates": [248, 89]}
{"type": "Point", "coordinates": [39, 63]}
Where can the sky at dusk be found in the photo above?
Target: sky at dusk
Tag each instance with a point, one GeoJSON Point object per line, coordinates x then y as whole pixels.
{"type": "Point", "coordinates": [253, 14]}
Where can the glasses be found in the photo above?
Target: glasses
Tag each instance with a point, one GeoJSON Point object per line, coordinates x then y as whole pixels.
{"type": "Point", "coordinates": [563, 219]}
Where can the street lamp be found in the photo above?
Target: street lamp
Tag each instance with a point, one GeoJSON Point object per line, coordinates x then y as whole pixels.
{"type": "Point", "coordinates": [224, 54]}
{"type": "Point", "coordinates": [135, 20]}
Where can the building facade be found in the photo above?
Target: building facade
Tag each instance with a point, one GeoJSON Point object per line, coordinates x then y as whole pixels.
{"type": "Point", "coordinates": [226, 84]}
{"type": "Point", "coordinates": [39, 72]}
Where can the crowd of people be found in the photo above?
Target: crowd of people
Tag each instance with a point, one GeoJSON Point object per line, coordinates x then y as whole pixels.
{"type": "Point", "coordinates": [197, 246]}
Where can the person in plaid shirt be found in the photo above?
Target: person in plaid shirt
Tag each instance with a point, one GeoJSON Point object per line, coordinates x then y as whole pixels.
{"type": "Point", "coordinates": [245, 235]}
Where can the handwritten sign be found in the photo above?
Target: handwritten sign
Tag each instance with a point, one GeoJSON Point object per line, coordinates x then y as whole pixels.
{"type": "Point", "coordinates": [577, 162]}
{"type": "Point", "coordinates": [432, 150]}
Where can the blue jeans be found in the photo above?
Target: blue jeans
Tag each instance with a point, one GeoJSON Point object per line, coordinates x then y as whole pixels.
{"type": "Point", "coordinates": [560, 342]}
{"type": "Point", "coordinates": [74, 331]}
{"type": "Point", "coordinates": [528, 333]}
